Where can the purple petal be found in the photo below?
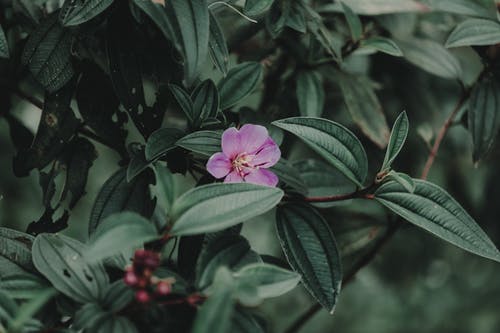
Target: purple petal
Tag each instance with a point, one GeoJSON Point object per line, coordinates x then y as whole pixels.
{"type": "Point", "coordinates": [268, 155]}
{"type": "Point", "coordinates": [252, 137]}
{"type": "Point", "coordinates": [262, 177]}
{"type": "Point", "coordinates": [233, 177]}
{"type": "Point", "coordinates": [219, 165]}
{"type": "Point", "coordinates": [231, 142]}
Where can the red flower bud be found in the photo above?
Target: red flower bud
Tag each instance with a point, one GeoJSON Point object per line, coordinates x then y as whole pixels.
{"type": "Point", "coordinates": [131, 279]}
{"type": "Point", "coordinates": [163, 288]}
{"type": "Point", "coordinates": [142, 296]}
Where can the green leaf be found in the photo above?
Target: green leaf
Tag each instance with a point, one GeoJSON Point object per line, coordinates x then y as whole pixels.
{"type": "Point", "coordinates": [217, 45]}
{"type": "Point", "coordinates": [214, 315]}
{"type": "Point", "coordinates": [379, 7]}
{"type": "Point", "coordinates": [289, 175]}
{"type": "Point", "coordinates": [397, 140]}
{"type": "Point", "coordinates": [432, 57]}
{"type": "Point", "coordinates": [311, 250]}
{"type": "Point", "coordinates": [138, 162]}
{"type": "Point", "coordinates": [353, 21]}
{"type": "Point", "coordinates": [269, 280]}
{"type": "Point", "coordinates": [117, 195]}
{"type": "Point", "coordinates": [364, 107]}
{"type": "Point", "coordinates": [22, 285]}
{"type": "Point", "coordinates": [403, 179]}
{"type": "Point", "coordinates": [165, 186]}
{"type": "Point", "coordinates": [4, 45]}
{"type": "Point", "coordinates": [474, 32]}
{"type": "Point", "coordinates": [256, 7]}
{"type": "Point", "coordinates": [194, 211]}
{"type": "Point", "coordinates": [239, 83]}
{"type": "Point", "coordinates": [184, 100]}
{"type": "Point", "coordinates": [27, 311]}
{"type": "Point", "coordinates": [117, 296]}
{"type": "Point", "coordinates": [484, 115]}
{"type": "Point", "coordinates": [231, 251]}
{"type": "Point", "coordinates": [161, 142]}
{"type": "Point", "coordinates": [245, 322]}
{"type": "Point", "coordinates": [310, 94]}
{"type": "Point", "coordinates": [191, 19]}
{"type": "Point", "coordinates": [60, 260]}
{"type": "Point", "coordinates": [206, 101]}
{"type": "Point", "coordinates": [431, 208]}
{"type": "Point", "coordinates": [119, 233]}
{"type": "Point", "coordinates": [202, 142]}
{"type": "Point", "coordinates": [115, 324]}
{"type": "Point", "coordinates": [78, 12]}
{"type": "Point", "coordinates": [8, 307]}
{"type": "Point", "coordinates": [16, 247]}
{"type": "Point", "coordinates": [383, 44]}
{"type": "Point", "coordinates": [47, 54]}
{"type": "Point", "coordinates": [465, 7]}
{"type": "Point", "coordinates": [335, 143]}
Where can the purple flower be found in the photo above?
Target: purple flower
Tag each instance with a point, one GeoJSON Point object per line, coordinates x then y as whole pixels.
{"type": "Point", "coordinates": [246, 155]}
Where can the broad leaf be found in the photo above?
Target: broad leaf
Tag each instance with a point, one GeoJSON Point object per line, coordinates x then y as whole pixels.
{"type": "Point", "coordinates": [184, 101]}
{"type": "Point", "coordinates": [465, 7]}
{"type": "Point", "coordinates": [378, 7]}
{"type": "Point", "coordinates": [75, 12]}
{"type": "Point", "coordinates": [289, 175]}
{"type": "Point", "coordinates": [269, 280]}
{"type": "Point", "coordinates": [4, 46]}
{"type": "Point", "coordinates": [310, 94]}
{"type": "Point", "coordinates": [205, 101]}
{"type": "Point", "coordinates": [432, 57]}
{"type": "Point", "coordinates": [194, 213]}
{"type": "Point", "coordinates": [256, 7]}
{"type": "Point", "coordinates": [22, 285]}
{"type": "Point", "coordinates": [383, 44]}
{"type": "Point", "coordinates": [475, 32]}
{"type": "Point", "coordinates": [47, 54]}
{"type": "Point", "coordinates": [245, 322]}
{"type": "Point", "coordinates": [431, 208]}
{"type": "Point", "coordinates": [217, 45]}
{"type": "Point", "coordinates": [161, 142]}
{"type": "Point", "coordinates": [484, 115]}
{"type": "Point", "coordinates": [403, 179]}
{"type": "Point", "coordinates": [117, 195]}
{"type": "Point", "coordinates": [332, 141]}
{"type": "Point", "coordinates": [365, 108]}
{"type": "Point", "coordinates": [353, 21]}
{"type": "Point", "coordinates": [138, 162]}
{"type": "Point", "coordinates": [119, 233]}
{"type": "Point", "coordinates": [310, 248]}
{"type": "Point", "coordinates": [60, 260]}
{"type": "Point", "coordinates": [16, 247]}
{"type": "Point", "coordinates": [239, 83]}
{"type": "Point", "coordinates": [28, 310]}
{"type": "Point", "coordinates": [397, 140]}
{"type": "Point", "coordinates": [202, 142]}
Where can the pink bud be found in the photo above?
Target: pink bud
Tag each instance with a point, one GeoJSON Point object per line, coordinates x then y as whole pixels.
{"type": "Point", "coordinates": [142, 296]}
{"type": "Point", "coordinates": [163, 288]}
{"type": "Point", "coordinates": [130, 279]}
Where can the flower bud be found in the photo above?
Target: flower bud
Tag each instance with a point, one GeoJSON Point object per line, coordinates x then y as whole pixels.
{"type": "Point", "coordinates": [130, 279]}
{"type": "Point", "coordinates": [142, 296]}
{"type": "Point", "coordinates": [163, 288]}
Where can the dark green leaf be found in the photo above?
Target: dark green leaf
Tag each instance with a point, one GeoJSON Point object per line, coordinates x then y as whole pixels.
{"type": "Point", "coordinates": [214, 316]}
{"type": "Point", "coordinates": [397, 140]}
{"type": "Point", "coordinates": [119, 233]}
{"type": "Point", "coordinates": [289, 175]}
{"type": "Point", "coordinates": [60, 260]}
{"type": "Point", "coordinates": [365, 108]}
{"type": "Point", "coordinates": [431, 56]}
{"type": "Point", "coordinates": [75, 12]}
{"type": "Point", "coordinates": [310, 94]}
{"type": "Point", "coordinates": [256, 7]}
{"type": "Point", "coordinates": [26, 311]}
{"type": "Point", "coordinates": [47, 54]}
{"type": "Point", "coordinates": [244, 322]}
{"type": "Point", "coordinates": [118, 195]}
{"type": "Point", "coordinates": [161, 142]}
{"type": "Point", "coordinates": [193, 212]}
{"type": "Point", "coordinates": [165, 187]}
{"type": "Point", "coordinates": [431, 208]}
{"type": "Point", "coordinates": [378, 7]}
{"type": "Point", "coordinates": [138, 162]}
{"type": "Point", "coordinates": [484, 115]}
{"type": "Point", "coordinates": [465, 7]}
{"type": "Point", "coordinates": [217, 45]}
{"type": "Point", "coordinates": [205, 101]}
{"type": "Point", "coordinates": [4, 46]}
{"type": "Point", "coordinates": [239, 83]}
{"type": "Point", "coordinates": [202, 142]}
{"type": "Point", "coordinates": [353, 21]}
{"type": "Point", "coordinates": [22, 285]}
{"type": "Point", "coordinates": [57, 126]}
{"type": "Point", "coordinates": [231, 251]}
{"type": "Point", "coordinates": [383, 44]}
{"type": "Point", "coordinates": [474, 32]}
{"type": "Point", "coordinates": [332, 141]}
{"type": "Point", "coordinates": [184, 101]}
{"type": "Point", "coordinates": [117, 296]}
{"type": "Point", "coordinates": [310, 248]}
{"type": "Point", "coordinates": [403, 179]}
{"type": "Point", "coordinates": [16, 247]}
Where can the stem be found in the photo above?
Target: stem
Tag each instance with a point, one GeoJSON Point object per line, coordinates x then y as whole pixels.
{"type": "Point", "coordinates": [441, 134]}
{"type": "Point", "coordinates": [360, 194]}
{"type": "Point", "coordinates": [393, 228]}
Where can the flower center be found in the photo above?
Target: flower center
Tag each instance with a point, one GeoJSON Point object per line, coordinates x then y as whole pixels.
{"type": "Point", "coordinates": [242, 162]}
